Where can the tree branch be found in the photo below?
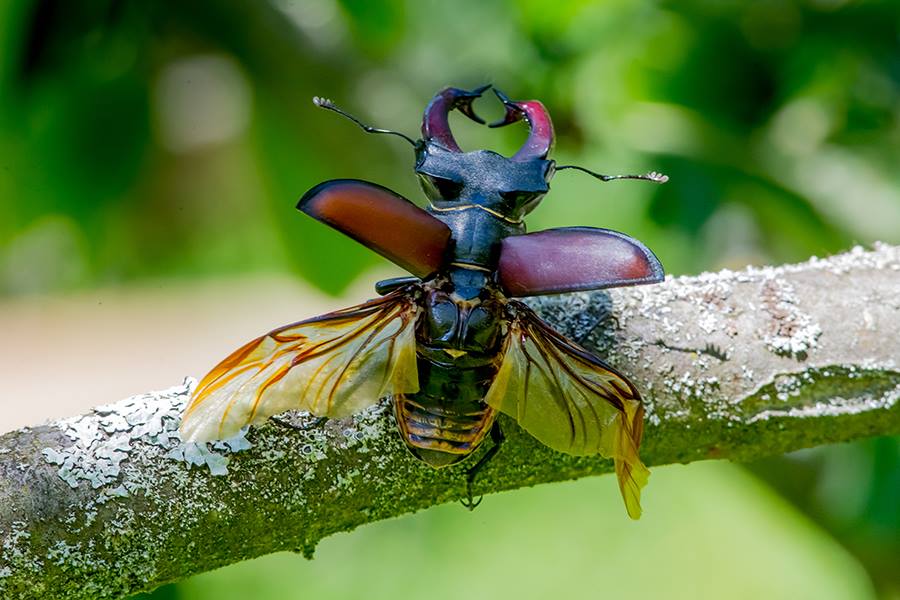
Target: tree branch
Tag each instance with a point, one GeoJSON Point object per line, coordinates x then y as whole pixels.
{"type": "Point", "coordinates": [733, 365]}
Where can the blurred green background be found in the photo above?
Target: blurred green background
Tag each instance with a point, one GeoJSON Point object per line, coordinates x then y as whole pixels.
{"type": "Point", "coordinates": [168, 141]}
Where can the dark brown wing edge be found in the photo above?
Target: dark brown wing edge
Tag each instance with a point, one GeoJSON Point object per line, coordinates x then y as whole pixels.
{"type": "Point", "coordinates": [353, 312]}
{"type": "Point", "coordinates": [262, 363]}
{"type": "Point", "coordinates": [381, 220]}
{"type": "Point", "coordinates": [536, 324]}
{"type": "Point", "coordinates": [630, 471]}
{"type": "Point", "coordinates": [571, 259]}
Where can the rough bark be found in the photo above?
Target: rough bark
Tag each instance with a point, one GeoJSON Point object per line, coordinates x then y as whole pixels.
{"type": "Point", "coordinates": [734, 365]}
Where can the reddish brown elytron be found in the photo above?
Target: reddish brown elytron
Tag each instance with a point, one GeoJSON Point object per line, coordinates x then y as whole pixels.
{"type": "Point", "coordinates": [381, 220]}
{"type": "Point", "coordinates": [571, 260]}
{"type": "Point", "coordinates": [450, 346]}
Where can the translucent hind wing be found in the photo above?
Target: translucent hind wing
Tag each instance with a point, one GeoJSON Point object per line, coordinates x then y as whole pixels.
{"type": "Point", "coordinates": [333, 366]}
{"type": "Point", "coordinates": [570, 400]}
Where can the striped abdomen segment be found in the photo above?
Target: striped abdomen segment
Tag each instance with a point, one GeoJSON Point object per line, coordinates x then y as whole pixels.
{"type": "Point", "coordinates": [447, 419]}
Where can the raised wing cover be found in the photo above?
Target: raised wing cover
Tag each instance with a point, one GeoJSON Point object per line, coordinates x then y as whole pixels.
{"type": "Point", "coordinates": [572, 259]}
{"type": "Point", "coordinates": [381, 220]}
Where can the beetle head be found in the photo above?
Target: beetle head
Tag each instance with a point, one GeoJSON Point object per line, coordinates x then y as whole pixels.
{"type": "Point", "coordinates": [510, 186]}
{"type": "Point", "coordinates": [513, 185]}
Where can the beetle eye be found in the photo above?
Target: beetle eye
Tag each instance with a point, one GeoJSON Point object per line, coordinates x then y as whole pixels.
{"type": "Point", "coordinates": [517, 198]}
{"type": "Point", "coordinates": [442, 188]}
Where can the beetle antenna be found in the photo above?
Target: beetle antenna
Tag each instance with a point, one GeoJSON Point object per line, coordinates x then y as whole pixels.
{"type": "Point", "coordinates": [651, 176]}
{"type": "Point", "coordinates": [329, 105]}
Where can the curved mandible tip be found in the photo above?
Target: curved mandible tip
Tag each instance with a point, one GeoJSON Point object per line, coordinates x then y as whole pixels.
{"type": "Point", "coordinates": [435, 121]}
{"type": "Point", "coordinates": [540, 138]}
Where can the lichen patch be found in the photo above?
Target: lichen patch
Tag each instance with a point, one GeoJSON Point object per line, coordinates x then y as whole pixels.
{"type": "Point", "coordinates": [789, 331]}
{"type": "Point", "coordinates": [102, 440]}
{"type": "Point", "coordinates": [834, 407]}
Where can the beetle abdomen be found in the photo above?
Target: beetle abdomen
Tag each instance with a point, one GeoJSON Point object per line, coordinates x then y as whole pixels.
{"type": "Point", "coordinates": [447, 419]}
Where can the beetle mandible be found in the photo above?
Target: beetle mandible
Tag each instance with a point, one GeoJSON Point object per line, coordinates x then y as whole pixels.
{"type": "Point", "coordinates": [450, 345]}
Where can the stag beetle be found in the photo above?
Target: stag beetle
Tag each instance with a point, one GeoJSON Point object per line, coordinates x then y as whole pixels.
{"type": "Point", "coordinates": [450, 345]}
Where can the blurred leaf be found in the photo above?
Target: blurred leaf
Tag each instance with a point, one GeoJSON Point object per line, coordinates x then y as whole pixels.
{"type": "Point", "coordinates": [377, 25]}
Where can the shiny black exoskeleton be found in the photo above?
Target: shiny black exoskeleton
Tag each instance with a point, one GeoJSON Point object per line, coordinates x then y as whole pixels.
{"type": "Point", "coordinates": [470, 252]}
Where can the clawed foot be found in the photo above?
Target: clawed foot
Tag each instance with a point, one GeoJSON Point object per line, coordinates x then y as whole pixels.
{"type": "Point", "coordinates": [469, 502]}
{"type": "Point", "coordinates": [471, 474]}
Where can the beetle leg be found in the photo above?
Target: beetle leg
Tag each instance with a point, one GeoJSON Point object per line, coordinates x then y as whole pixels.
{"type": "Point", "coordinates": [497, 438]}
{"type": "Point", "coordinates": [314, 424]}
{"type": "Point", "coordinates": [386, 286]}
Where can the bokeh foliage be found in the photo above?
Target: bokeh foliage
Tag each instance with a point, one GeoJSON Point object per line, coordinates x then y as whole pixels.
{"type": "Point", "coordinates": [171, 139]}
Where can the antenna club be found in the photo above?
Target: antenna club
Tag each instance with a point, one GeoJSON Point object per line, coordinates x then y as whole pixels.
{"type": "Point", "coordinates": [329, 105]}
{"type": "Point", "coordinates": [322, 102]}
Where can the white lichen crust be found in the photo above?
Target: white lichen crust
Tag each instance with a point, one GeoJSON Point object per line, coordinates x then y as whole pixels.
{"type": "Point", "coordinates": [103, 439]}
{"type": "Point", "coordinates": [732, 364]}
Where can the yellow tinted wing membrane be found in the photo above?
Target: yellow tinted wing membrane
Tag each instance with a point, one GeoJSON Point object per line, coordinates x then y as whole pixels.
{"type": "Point", "coordinates": [333, 366]}
{"type": "Point", "coordinates": [570, 400]}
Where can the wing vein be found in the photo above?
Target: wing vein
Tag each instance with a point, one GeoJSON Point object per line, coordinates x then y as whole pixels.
{"type": "Point", "coordinates": [306, 365]}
